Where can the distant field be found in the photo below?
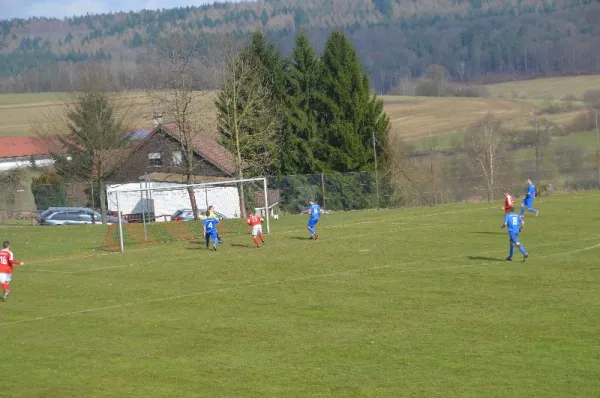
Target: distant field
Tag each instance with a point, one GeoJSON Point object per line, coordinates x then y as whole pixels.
{"type": "Point", "coordinates": [411, 117]}
{"type": "Point", "coordinates": [21, 114]}
{"type": "Point", "coordinates": [551, 88]}
{"type": "Point", "coordinates": [414, 117]}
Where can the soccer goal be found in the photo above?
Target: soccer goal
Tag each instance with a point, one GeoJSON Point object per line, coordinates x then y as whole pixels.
{"type": "Point", "coordinates": [157, 212]}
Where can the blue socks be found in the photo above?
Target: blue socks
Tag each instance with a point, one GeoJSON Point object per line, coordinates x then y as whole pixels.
{"type": "Point", "coordinates": [522, 249]}
{"type": "Point", "coordinates": [512, 251]}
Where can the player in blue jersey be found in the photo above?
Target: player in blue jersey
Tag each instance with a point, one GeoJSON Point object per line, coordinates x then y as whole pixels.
{"type": "Point", "coordinates": [514, 223]}
{"type": "Point", "coordinates": [315, 212]}
{"type": "Point", "coordinates": [210, 230]}
{"type": "Point", "coordinates": [528, 199]}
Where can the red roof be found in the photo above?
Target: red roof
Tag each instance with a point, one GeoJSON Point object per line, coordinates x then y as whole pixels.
{"type": "Point", "coordinates": [12, 147]}
{"type": "Point", "coordinates": [206, 147]}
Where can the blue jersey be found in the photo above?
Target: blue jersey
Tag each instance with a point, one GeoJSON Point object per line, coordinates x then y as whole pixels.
{"type": "Point", "coordinates": [530, 192]}
{"type": "Point", "coordinates": [513, 222]}
{"type": "Point", "coordinates": [314, 211]}
{"type": "Point", "coordinates": [211, 225]}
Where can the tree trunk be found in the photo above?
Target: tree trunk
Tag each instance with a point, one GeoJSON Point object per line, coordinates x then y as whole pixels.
{"type": "Point", "coordinates": [103, 202]}
{"type": "Point", "coordinates": [192, 196]}
{"type": "Point", "coordinates": [193, 203]}
{"type": "Point", "coordinates": [242, 196]}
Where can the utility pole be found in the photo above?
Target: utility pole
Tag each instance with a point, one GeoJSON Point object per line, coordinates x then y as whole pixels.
{"type": "Point", "coordinates": [431, 167]}
{"type": "Point", "coordinates": [597, 149]}
{"type": "Point", "coordinates": [537, 138]}
{"type": "Point", "coordinates": [376, 173]}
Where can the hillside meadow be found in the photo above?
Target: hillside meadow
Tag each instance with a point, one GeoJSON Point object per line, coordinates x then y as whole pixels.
{"type": "Point", "coordinates": [411, 117]}
{"type": "Point", "coordinates": [555, 88]}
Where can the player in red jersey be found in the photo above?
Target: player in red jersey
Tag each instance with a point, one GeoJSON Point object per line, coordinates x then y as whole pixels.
{"type": "Point", "coordinates": [255, 222]}
{"type": "Point", "coordinates": [509, 202]}
{"type": "Point", "coordinates": [7, 260]}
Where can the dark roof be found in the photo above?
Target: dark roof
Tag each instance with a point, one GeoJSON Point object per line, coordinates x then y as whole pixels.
{"type": "Point", "coordinates": [12, 147]}
{"type": "Point", "coordinates": [206, 147]}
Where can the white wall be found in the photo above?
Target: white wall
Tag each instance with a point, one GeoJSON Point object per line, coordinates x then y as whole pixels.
{"type": "Point", "coordinates": [16, 163]}
{"type": "Point", "coordinates": [224, 198]}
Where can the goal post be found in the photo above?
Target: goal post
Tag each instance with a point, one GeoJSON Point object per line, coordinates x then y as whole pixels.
{"type": "Point", "coordinates": [154, 212]}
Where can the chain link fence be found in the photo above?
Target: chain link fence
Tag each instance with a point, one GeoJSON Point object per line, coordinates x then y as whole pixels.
{"type": "Point", "coordinates": [435, 181]}
{"type": "Point", "coordinates": [421, 180]}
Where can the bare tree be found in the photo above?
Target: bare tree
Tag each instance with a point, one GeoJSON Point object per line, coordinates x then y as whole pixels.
{"type": "Point", "coordinates": [89, 136]}
{"type": "Point", "coordinates": [484, 147]}
{"type": "Point", "coordinates": [248, 116]}
{"type": "Point", "coordinates": [175, 78]}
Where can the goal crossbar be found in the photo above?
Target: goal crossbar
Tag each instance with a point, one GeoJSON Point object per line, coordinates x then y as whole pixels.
{"type": "Point", "coordinates": [117, 191]}
{"type": "Point", "coordinates": [185, 186]}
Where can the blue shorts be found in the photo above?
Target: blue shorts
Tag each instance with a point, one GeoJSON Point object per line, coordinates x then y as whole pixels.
{"type": "Point", "coordinates": [312, 222]}
{"type": "Point", "coordinates": [527, 202]}
{"type": "Point", "coordinates": [514, 237]}
{"type": "Point", "coordinates": [214, 235]}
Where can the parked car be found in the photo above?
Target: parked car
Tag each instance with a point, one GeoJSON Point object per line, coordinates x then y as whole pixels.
{"type": "Point", "coordinates": [73, 216]}
{"type": "Point", "coordinates": [187, 215]}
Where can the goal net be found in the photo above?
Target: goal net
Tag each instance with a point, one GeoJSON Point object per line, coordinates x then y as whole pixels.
{"type": "Point", "coordinates": [157, 212]}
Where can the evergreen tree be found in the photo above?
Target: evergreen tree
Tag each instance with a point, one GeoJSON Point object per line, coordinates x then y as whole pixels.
{"type": "Point", "coordinates": [349, 114]}
{"type": "Point", "coordinates": [300, 132]}
{"type": "Point", "coordinates": [273, 63]}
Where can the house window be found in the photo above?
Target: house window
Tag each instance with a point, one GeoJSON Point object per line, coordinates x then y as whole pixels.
{"type": "Point", "coordinates": [154, 159]}
{"type": "Point", "coordinates": [177, 158]}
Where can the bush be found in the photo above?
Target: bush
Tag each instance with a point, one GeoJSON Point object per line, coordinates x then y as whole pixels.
{"type": "Point", "coordinates": [584, 122]}
{"type": "Point", "coordinates": [591, 96]}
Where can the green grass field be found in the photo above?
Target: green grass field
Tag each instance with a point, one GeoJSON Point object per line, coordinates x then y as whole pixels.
{"type": "Point", "coordinates": [415, 302]}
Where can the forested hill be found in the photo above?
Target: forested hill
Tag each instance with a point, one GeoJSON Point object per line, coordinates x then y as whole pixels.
{"type": "Point", "coordinates": [473, 39]}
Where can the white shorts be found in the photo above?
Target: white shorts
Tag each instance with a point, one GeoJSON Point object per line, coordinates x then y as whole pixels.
{"type": "Point", "coordinates": [256, 230]}
{"type": "Point", "coordinates": [5, 278]}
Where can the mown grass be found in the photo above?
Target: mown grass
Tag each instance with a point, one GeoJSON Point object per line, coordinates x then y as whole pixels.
{"type": "Point", "coordinates": [392, 303]}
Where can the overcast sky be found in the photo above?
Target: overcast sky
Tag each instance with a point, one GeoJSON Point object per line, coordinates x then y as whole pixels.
{"type": "Point", "coordinates": [61, 8]}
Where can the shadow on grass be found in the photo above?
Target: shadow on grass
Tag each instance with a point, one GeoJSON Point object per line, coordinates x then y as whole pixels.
{"type": "Point", "coordinates": [299, 238]}
{"type": "Point", "coordinates": [488, 233]}
{"type": "Point", "coordinates": [239, 245]}
{"type": "Point", "coordinates": [486, 258]}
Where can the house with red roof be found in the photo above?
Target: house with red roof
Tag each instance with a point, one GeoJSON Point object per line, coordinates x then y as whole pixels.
{"type": "Point", "coordinates": [16, 152]}
{"type": "Point", "coordinates": [159, 154]}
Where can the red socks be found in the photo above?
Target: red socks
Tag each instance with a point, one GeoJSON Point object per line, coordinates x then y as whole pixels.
{"type": "Point", "coordinates": [255, 241]}
{"type": "Point", "coordinates": [261, 238]}
{"type": "Point", "coordinates": [4, 286]}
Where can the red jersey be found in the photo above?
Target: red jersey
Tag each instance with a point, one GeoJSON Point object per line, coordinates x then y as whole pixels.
{"type": "Point", "coordinates": [509, 202]}
{"type": "Point", "coordinates": [7, 259]}
{"type": "Point", "coordinates": [254, 220]}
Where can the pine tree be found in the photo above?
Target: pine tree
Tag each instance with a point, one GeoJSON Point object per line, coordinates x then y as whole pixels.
{"type": "Point", "coordinates": [300, 132]}
{"type": "Point", "coordinates": [350, 114]}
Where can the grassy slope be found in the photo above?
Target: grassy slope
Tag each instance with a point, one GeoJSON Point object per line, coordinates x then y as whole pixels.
{"type": "Point", "coordinates": [414, 117]}
{"type": "Point", "coordinates": [393, 303]}
{"type": "Point", "coordinates": [23, 113]}
{"type": "Point", "coordinates": [549, 88]}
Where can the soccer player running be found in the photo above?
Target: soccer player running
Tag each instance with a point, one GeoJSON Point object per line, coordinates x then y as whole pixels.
{"type": "Point", "coordinates": [514, 223]}
{"type": "Point", "coordinates": [7, 260]}
{"type": "Point", "coordinates": [210, 230]}
{"type": "Point", "coordinates": [255, 222]}
{"type": "Point", "coordinates": [211, 210]}
{"type": "Point", "coordinates": [509, 202]}
{"type": "Point", "coordinates": [528, 199]}
{"type": "Point", "coordinates": [315, 212]}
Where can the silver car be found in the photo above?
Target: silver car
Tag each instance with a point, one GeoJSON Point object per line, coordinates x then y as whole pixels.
{"type": "Point", "coordinates": [73, 216]}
